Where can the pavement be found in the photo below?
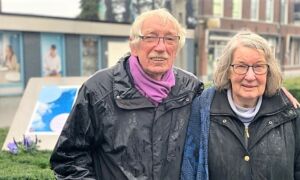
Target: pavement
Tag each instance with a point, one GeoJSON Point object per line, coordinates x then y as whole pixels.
{"type": "Point", "coordinates": [8, 108]}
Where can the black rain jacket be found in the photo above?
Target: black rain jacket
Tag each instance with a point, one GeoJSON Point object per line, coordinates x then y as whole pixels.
{"type": "Point", "coordinates": [268, 150]}
{"type": "Point", "coordinates": [115, 133]}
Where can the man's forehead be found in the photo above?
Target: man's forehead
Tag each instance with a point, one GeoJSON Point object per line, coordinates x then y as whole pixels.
{"type": "Point", "coordinates": [157, 24]}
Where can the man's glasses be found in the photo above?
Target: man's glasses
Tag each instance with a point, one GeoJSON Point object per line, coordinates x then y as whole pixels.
{"type": "Point", "coordinates": [242, 69]}
{"type": "Point", "coordinates": [154, 40]}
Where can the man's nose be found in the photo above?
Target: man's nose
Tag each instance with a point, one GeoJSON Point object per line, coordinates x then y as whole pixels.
{"type": "Point", "coordinates": [160, 45]}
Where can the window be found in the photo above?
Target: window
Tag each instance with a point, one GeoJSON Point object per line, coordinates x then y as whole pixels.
{"type": "Point", "coordinates": [218, 7]}
{"type": "Point", "coordinates": [11, 63]}
{"type": "Point", "coordinates": [283, 11]}
{"type": "Point", "coordinates": [89, 55]}
{"type": "Point", "coordinates": [191, 13]}
{"type": "Point", "coordinates": [237, 9]}
{"type": "Point", "coordinates": [269, 10]}
{"type": "Point", "coordinates": [297, 11]}
{"type": "Point", "coordinates": [295, 52]}
{"type": "Point", "coordinates": [254, 9]}
{"type": "Point", "coordinates": [52, 57]}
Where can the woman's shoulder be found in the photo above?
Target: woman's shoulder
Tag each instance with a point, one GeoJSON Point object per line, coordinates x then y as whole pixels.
{"type": "Point", "coordinates": [205, 98]}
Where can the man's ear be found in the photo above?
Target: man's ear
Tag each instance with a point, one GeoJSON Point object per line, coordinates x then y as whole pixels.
{"type": "Point", "coordinates": [133, 48]}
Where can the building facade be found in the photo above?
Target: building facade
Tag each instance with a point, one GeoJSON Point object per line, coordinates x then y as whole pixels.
{"type": "Point", "coordinates": [275, 20]}
{"type": "Point", "coordinates": [82, 47]}
{"type": "Point", "coordinates": [34, 46]}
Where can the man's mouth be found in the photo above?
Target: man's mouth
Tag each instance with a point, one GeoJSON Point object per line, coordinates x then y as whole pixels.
{"type": "Point", "coordinates": [158, 58]}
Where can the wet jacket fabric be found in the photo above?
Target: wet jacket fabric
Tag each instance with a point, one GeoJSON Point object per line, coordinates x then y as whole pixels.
{"type": "Point", "coordinates": [195, 161]}
{"type": "Point", "coordinates": [269, 149]}
{"type": "Point", "coordinates": [113, 132]}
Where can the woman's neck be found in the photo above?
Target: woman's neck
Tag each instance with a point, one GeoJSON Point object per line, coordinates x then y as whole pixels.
{"type": "Point", "coordinates": [245, 103]}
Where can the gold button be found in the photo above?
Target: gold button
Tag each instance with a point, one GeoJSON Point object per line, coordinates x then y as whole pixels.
{"type": "Point", "coordinates": [246, 158]}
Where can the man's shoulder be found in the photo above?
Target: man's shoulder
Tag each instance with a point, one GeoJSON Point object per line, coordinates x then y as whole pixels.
{"type": "Point", "coordinates": [103, 76]}
{"type": "Point", "coordinates": [186, 77]}
{"type": "Point", "coordinates": [181, 73]}
{"type": "Point", "coordinates": [188, 80]}
{"type": "Point", "coordinates": [98, 85]}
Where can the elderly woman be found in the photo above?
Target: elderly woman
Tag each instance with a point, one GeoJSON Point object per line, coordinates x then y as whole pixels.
{"type": "Point", "coordinates": [245, 127]}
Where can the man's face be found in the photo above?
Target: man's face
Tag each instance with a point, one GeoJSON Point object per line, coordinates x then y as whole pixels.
{"type": "Point", "coordinates": [156, 58]}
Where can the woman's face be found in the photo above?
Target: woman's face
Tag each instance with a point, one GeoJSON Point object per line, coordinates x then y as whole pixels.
{"type": "Point", "coordinates": [248, 87]}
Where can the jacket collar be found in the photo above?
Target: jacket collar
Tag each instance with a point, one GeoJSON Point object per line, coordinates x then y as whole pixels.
{"type": "Point", "coordinates": [128, 97]}
{"type": "Point", "coordinates": [270, 105]}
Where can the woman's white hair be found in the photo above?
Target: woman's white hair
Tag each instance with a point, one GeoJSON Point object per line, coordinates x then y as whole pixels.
{"type": "Point", "coordinates": [253, 41]}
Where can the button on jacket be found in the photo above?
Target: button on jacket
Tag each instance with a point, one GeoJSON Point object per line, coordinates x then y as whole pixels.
{"type": "Point", "coordinates": [113, 132]}
{"type": "Point", "coordinates": [267, 150]}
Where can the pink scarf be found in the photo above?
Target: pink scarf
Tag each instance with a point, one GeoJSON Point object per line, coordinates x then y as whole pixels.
{"type": "Point", "coordinates": [154, 90]}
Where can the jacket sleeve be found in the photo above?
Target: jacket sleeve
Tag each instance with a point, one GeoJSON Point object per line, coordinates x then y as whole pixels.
{"type": "Point", "coordinates": [297, 152]}
{"type": "Point", "coordinates": [191, 147]}
{"type": "Point", "coordinates": [71, 157]}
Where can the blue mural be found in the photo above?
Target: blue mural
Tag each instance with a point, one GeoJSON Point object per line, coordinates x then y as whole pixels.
{"type": "Point", "coordinates": [52, 109]}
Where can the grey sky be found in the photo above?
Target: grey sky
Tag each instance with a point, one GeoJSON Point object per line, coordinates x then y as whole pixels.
{"type": "Point", "coordinates": [60, 8]}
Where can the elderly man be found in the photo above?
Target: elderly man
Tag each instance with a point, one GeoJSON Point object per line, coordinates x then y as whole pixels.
{"type": "Point", "coordinates": [129, 121]}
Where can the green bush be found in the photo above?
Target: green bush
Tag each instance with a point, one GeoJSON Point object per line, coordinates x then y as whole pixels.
{"type": "Point", "coordinates": [24, 165]}
{"type": "Point", "coordinates": [3, 132]}
{"type": "Point", "coordinates": [293, 85]}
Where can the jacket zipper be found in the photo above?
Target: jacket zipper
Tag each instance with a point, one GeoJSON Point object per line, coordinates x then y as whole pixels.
{"type": "Point", "coordinates": [247, 135]}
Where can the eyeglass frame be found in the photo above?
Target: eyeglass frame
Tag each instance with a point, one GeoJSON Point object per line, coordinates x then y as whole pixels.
{"type": "Point", "coordinates": [248, 66]}
{"type": "Point", "coordinates": [157, 39]}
